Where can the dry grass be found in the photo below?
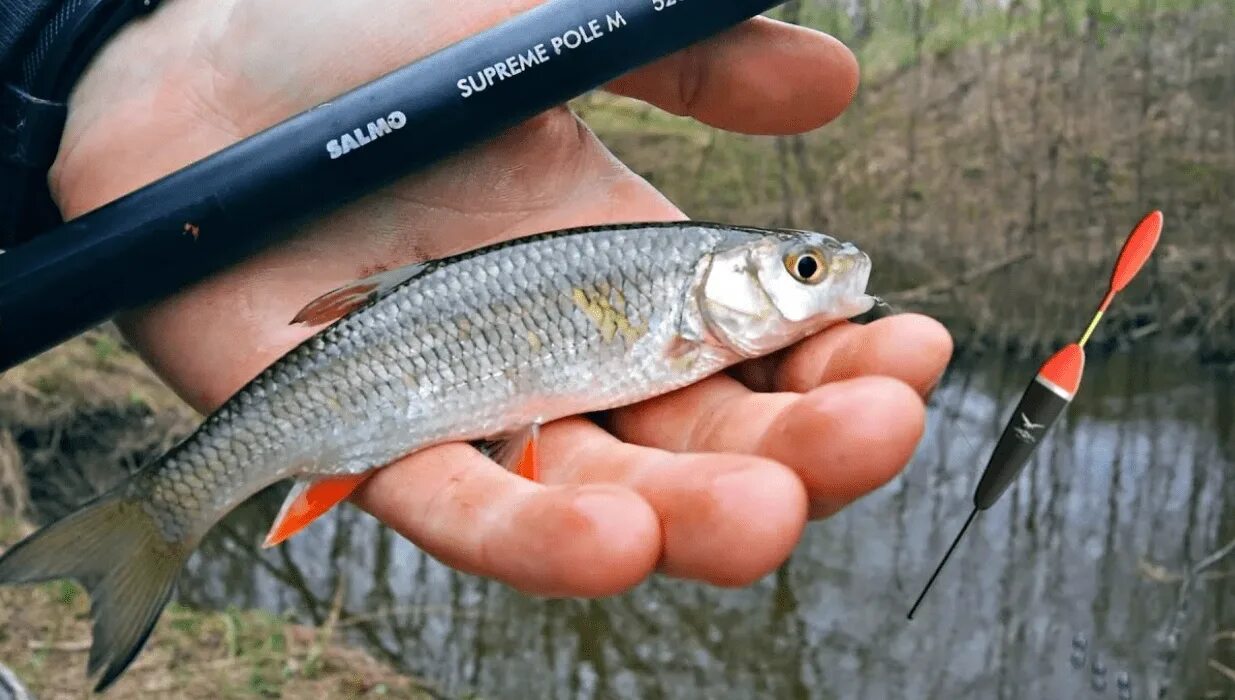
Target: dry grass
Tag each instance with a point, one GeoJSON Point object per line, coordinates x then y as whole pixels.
{"type": "Point", "coordinates": [14, 492]}
{"type": "Point", "coordinates": [95, 372]}
{"type": "Point", "coordinates": [75, 420]}
{"type": "Point", "coordinates": [80, 417]}
{"type": "Point", "coordinates": [44, 638]}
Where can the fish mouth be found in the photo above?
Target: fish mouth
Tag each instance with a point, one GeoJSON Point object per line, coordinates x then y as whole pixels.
{"type": "Point", "coordinates": [860, 305]}
{"type": "Point", "coordinates": [859, 301]}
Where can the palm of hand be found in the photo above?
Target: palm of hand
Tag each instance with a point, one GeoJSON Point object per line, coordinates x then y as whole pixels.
{"type": "Point", "coordinates": [714, 482]}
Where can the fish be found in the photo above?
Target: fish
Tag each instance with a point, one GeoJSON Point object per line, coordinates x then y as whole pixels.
{"type": "Point", "coordinates": [482, 347]}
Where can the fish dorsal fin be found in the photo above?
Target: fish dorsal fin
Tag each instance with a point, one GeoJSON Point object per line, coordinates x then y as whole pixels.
{"type": "Point", "coordinates": [337, 303]}
{"type": "Point", "coordinates": [519, 452]}
{"type": "Point", "coordinates": [310, 500]}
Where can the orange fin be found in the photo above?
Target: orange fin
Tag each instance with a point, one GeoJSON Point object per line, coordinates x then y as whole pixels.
{"type": "Point", "coordinates": [520, 452]}
{"type": "Point", "coordinates": [529, 462]}
{"type": "Point", "coordinates": [337, 303]}
{"type": "Point", "coordinates": [308, 501]}
{"type": "Point", "coordinates": [334, 305]}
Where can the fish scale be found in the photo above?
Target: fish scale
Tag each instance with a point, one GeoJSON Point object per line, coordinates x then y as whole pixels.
{"type": "Point", "coordinates": [470, 348]}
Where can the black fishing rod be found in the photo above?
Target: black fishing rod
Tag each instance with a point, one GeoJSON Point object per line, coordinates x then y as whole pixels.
{"type": "Point", "coordinates": [223, 208]}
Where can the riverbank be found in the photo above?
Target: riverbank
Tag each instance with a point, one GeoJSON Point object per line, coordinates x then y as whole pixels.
{"type": "Point", "coordinates": [45, 635]}
{"type": "Point", "coordinates": [71, 422]}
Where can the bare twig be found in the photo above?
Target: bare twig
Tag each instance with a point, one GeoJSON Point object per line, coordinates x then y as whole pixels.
{"type": "Point", "coordinates": [705, 154]}
{"type": "Point", "coordinates": [24, 388]}
{"type": "Point", "coordinates": [1149, 329]}
{"type": "Point", "coordinates": [14, 492]}
{"type": "Point", "coordinates": [1160, 574]}
{"type": "Point", "coordinates": [1186, 586]}
{"type": "Point", "coordinates": [1214, 558]}
{"type": "Point", "coordinates": [406, 609]}
{"type": "Point", "coordinates": [76, 645]}
{"type": "Point", "coordinates": [923, 291]}
{"type": "Point", "coordinates": [326, 632]}
{"type": "Point", "coordinates": [1223, 669]}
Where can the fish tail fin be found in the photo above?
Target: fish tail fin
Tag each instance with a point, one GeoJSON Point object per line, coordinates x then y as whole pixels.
{"type": "Point", "coordinates": [114, 549]}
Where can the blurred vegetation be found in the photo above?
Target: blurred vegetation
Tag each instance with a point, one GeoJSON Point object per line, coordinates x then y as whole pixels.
{"type": "Point", "coordinates": [995, 157]}
{"type": "Point", "coordinates": [73, 422]}
{"type": "Point", "coordinates": [45, 633]}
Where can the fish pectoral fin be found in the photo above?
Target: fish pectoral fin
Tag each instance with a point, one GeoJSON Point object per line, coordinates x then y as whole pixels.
{"type": "Point", "coordinates": [680, 347]}
{"type": "Point", "coordinates": [308, 501]}
{"type": "Point", "coordinates": [337, 303]}
{"type": "Point", "coordinates": [520, 452]}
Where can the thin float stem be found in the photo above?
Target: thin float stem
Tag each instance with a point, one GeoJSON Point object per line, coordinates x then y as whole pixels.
{"type": "Point", "coordinates": [1089, 331]}
{"type": "Point", "coordinates": [943, 561]}
{"type": "Point", "coordinates": [1106, 303]}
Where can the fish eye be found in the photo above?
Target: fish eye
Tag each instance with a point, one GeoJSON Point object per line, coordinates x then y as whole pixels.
{"type": "Point", "coordinates": [806, 266]}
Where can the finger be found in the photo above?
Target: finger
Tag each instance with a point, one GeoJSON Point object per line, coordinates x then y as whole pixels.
{"type": "Point", "coordinates": [726, 519]}
{"type": "Point", "coordinates": [912, 348]}
{"type": "Point", "coordinates": [761, 77]}
{"type": "Point", "coordinates": [843, 440]}
{"type": "Point", "coordinates": [473, 515]}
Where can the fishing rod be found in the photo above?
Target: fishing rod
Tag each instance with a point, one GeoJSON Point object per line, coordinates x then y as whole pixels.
{"type": "Point", "coordinates": [1050, 392]}
{"type": "Point", "coordinates": [223, 208]}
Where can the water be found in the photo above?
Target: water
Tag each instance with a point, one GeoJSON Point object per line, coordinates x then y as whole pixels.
{"type": "Point", "coordinates": [1068, 588]}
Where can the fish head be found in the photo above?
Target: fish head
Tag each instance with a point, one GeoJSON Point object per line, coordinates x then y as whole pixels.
{"type": "Point", "coordinates": [762, 295]}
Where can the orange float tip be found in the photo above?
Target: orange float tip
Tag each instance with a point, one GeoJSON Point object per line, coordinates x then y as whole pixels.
{"type": "Point", "coordinates": [1136, 250]}
{"type": "Point", "coordinates": [1064, 369]}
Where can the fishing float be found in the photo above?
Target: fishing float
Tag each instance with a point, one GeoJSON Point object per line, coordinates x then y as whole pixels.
{"type": "Point", "coordinates": [1050, 392]}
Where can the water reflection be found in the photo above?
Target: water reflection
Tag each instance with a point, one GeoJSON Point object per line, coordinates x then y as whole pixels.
{"type": "Point", "coordinates": [1129, 489]}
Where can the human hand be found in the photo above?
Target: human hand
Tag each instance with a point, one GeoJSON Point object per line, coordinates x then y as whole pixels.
{"type": "Point", "coordinates": [714, 482]}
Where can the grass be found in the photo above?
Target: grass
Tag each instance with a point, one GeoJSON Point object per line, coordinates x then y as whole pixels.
{"type": "Point", "coordinates": [888, 48]}
{"type": "Point", "coordinates": [45, 633]}
{"type": "Point", "coordinates": [68, 418]}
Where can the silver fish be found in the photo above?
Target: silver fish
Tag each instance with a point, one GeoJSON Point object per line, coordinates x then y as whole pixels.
{"type": "Point", "coordinates": [479, 346]}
